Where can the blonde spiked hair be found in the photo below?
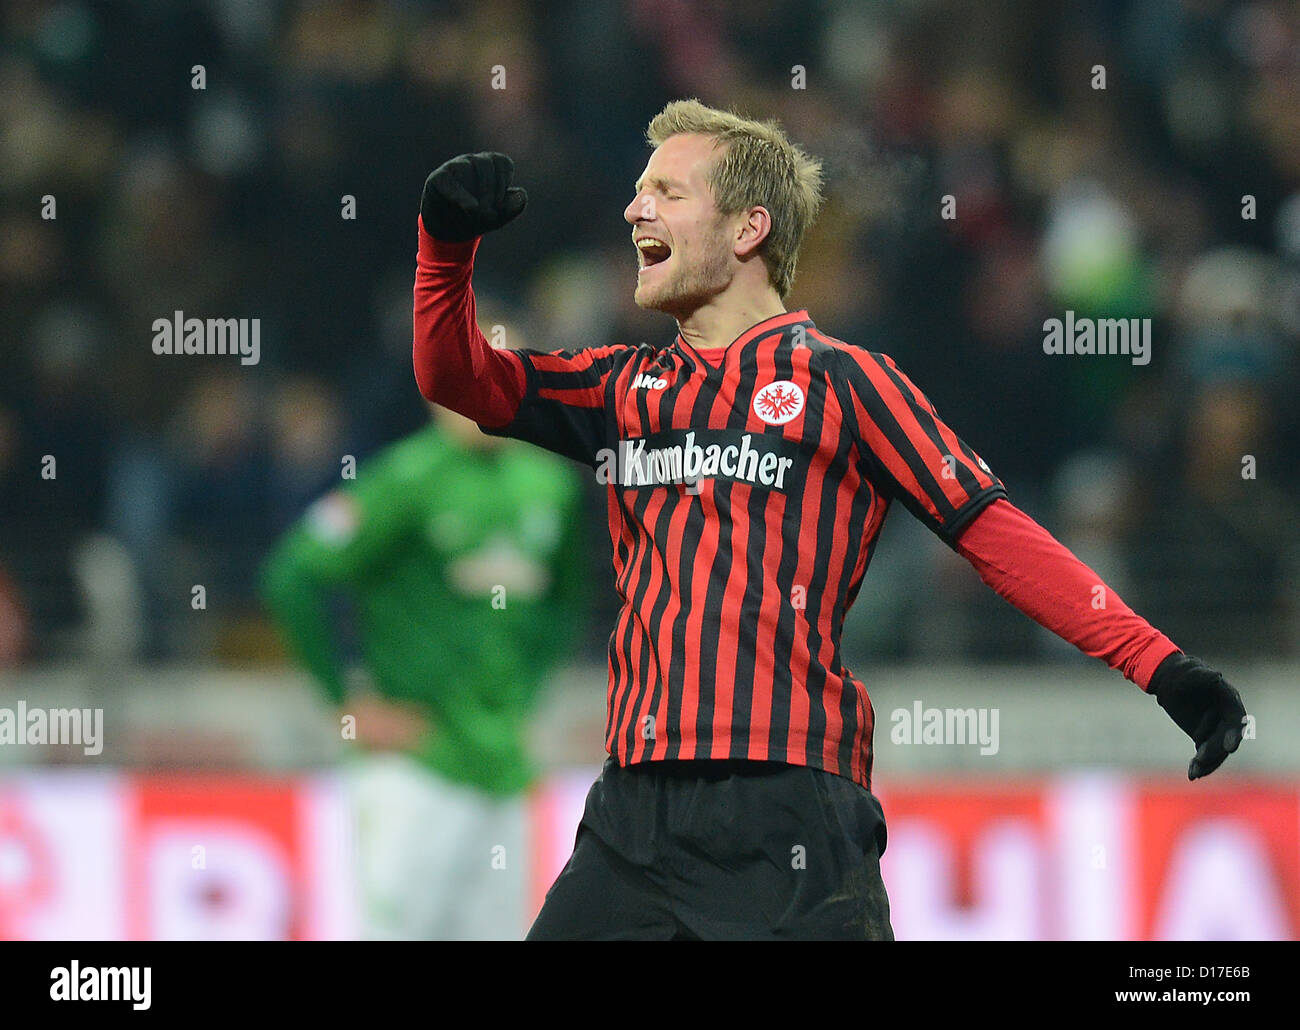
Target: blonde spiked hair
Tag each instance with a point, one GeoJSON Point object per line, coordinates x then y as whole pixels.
{"type": "Point", "coordinates": [759, 166]}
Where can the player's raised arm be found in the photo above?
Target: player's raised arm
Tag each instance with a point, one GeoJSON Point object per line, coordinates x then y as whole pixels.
{"type": "Point", "coordinates": [454, 365]}
{"type": "Point", "coordinates": [554, 399]}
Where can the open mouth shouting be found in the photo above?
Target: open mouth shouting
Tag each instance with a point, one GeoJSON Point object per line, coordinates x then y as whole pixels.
{"type": "Point", "coordinates": [651, 251]}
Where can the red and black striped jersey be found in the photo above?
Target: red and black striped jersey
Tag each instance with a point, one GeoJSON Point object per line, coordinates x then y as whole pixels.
{"type": "Point", "coordinates": [746, 490]}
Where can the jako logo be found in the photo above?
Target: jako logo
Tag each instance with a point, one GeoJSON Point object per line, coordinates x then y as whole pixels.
{"type": "Point", "coordinates": [777, 403]}
{"type": "Point", "coordinates": [647, 380]}
{"type": "Point", "coordinates": [101, 983]}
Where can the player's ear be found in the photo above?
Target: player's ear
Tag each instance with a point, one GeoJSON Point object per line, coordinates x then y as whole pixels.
{"type": "Point", "coordinates": [752, 231]}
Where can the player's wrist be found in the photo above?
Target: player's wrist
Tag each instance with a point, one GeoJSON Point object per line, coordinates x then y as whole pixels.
{"type": "Point", "coordinates": [445, 251]}
{"type": "Point", "coordinates": [1167, 671]}
{"type": "Point", "coordinates": [1156, 652]}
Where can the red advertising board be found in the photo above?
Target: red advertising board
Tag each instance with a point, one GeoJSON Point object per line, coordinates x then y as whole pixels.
{"type": "Point", "coordinates": [110, 856]}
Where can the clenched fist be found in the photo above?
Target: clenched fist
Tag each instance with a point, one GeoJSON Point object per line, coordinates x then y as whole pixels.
{"type": "Point", "coordinates": [470, 195]}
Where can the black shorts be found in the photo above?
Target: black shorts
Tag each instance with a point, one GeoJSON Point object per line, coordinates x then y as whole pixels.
{"type": "Point", "coordinates": [721, 850]}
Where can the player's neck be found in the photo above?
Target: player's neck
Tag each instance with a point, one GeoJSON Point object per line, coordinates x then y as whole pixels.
{"type": "Point", "coordinates": [718, 323]}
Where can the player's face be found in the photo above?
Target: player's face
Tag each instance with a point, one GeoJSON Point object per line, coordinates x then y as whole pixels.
{"type": "Point", "coordinates": [693, 260]}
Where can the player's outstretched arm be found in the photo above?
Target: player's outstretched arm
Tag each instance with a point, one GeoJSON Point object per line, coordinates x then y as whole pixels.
{"type": "Point", "coordinates": [454, 364]}
{"type": "Point", "coordinates": [911, 454]}
{"type": "Point", "coordinates": [1034, 571]}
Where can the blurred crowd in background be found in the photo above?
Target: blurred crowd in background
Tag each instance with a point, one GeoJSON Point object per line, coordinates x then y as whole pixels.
{"type": "Point", "coordinates": [1173, 193]}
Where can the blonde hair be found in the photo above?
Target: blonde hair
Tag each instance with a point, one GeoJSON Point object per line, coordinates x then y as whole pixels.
{"type": "Point", "coordinates": [759, 166]}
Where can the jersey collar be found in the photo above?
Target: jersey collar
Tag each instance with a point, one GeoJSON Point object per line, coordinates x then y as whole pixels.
{"type": "Point", "coordinates": [715, 354]}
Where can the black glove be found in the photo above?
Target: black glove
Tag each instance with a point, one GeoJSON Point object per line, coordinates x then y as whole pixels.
{"type": "Point", "coordinates": [470, 195]}
{"type": "Point", "coordinates": [1204, 705]}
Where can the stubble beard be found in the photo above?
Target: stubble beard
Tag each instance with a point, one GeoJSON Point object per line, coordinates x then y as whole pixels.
{"type": "Point", "coordinates": [689, 287]}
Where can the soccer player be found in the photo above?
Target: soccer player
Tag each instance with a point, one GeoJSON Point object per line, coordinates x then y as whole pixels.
{"type": "Point", "coordinates": [750, 462]}
{"type": "Point", "coordinates": [463, 555]}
